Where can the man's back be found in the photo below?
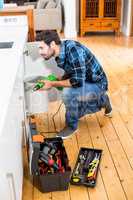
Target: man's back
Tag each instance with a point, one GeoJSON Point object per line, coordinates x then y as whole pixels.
{"type": "Point", "coordinates": [79, 63]}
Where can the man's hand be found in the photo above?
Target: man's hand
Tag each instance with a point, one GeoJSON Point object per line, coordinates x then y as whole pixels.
{"type": "Point", "coordinates": [47, 84]}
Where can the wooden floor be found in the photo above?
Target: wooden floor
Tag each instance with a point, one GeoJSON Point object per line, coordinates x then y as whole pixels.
{"type": "Point", "coordinates": [114, 136]}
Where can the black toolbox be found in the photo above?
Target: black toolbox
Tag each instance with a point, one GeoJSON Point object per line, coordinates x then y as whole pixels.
{"type": "Point", "coordinates": [86, 168]}
{"type": "Point", "coordinates": [49, 163]}
{"type": "Point", "coordinates": [48, 180]}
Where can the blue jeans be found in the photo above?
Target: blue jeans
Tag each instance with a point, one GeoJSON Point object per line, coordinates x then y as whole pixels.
{"type": "Point", "coordinates": [83, 100]}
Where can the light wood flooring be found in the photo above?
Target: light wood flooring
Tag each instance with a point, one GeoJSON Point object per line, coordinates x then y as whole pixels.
{"type": "Point", "coordinates": [114, 136]}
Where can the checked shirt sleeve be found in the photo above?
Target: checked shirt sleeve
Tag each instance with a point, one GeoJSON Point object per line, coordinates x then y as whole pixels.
{"type": "Point", "coordinates": [97, 71]}
{"type": "Point", "coordinates": [77, 62]}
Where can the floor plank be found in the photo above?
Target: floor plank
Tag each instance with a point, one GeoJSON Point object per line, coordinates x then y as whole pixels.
{"type": "Point", "coordinates": [108, 171]}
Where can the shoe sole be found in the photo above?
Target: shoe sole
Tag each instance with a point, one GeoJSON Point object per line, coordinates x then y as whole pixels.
{"type": "Point", "coordinates": [109, 115]}
{"type": "Point", "coordinates": [67, 137]}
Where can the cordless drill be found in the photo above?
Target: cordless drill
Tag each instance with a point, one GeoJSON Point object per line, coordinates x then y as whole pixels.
{"type": "Point", "coordinates": [40, 84]}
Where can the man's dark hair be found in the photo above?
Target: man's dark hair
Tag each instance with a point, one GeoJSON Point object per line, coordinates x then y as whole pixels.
{"type": "Point", "coordinates": [48, 36]}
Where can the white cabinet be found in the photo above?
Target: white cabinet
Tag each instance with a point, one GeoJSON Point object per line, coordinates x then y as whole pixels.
{"type": "Point", "coordinates": [13, 29]}
{"type": "Point", "coordinates": [11, 163]}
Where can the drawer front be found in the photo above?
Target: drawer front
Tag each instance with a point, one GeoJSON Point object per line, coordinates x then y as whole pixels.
{"type": "Point", "coordinates": [94, 24]}
{"type": "Point", "coordinates": [110, 25]}
{"type": "Point", "coordinates": [99, 25]}
{"type": "Point", "coordinates": [91, 26]}
{"type": "Point", "coordinates": [91, 23]}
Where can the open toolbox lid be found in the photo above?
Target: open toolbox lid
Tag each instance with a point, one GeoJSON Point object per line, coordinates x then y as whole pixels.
{"type": "Point", "coordinates": [86, 167]}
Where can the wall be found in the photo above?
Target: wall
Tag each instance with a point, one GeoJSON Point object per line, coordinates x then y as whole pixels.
{"type": "Point", "coordinates": [77, 15]}
{"type": "Point", "coordinates": [70, 29]}
{"type": "Point", "coordinates": [126, 21]}
{"type": "Point", "coordinates": [131, 18]}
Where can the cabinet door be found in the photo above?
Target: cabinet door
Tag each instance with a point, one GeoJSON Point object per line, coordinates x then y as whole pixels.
{"type": "Point", "coordinates": [15, 112]}
{"type": "Point", "coordinates": [90, 8]}
{"type": "Point", "coordinates": [11, 171]}
{"type": "Point", "coordinates": [6, 189]}
{"type": "Point", "coordinates": [111, 8]}
{"type": "Point", "coordinates": [11, 166]}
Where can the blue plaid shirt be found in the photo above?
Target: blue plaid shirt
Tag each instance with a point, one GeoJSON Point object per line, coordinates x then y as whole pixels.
{"type": "Point", "coordinates": [80, 65]}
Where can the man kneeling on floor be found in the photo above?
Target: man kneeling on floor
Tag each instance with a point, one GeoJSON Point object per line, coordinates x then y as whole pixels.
{"type": "Point", "coordinates": [84, 81]}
